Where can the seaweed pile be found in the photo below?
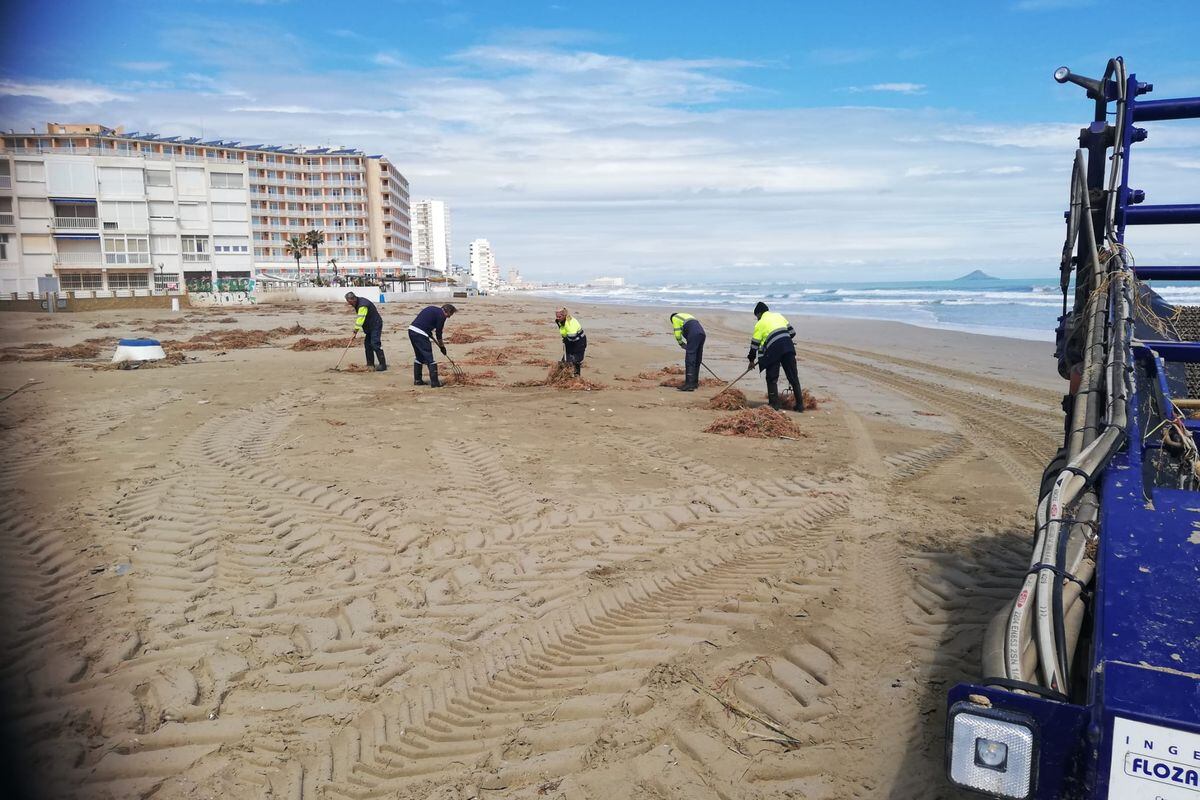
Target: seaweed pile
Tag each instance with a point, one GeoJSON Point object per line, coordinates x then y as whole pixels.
{"type": "Point", "coordinates": [758, 423]}
{"type": "Point", "coordinates": [494, 356]}
{"type": "Point", "coordinates": [307, 344]}
{"type": "Point", "coordinates": [468, 378]}
{"type": "Point", "coordinates": [728, 400]}
{"type": "Point", "coordinates": [462, 337]}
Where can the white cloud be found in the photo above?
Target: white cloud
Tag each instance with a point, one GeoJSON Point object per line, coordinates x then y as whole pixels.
{"type": "Point", "coordinates": [898, 88]}
{"type": "Point", "coordinates": [61, 93]}
{"type": "Point", "coordinates": [386, 60]}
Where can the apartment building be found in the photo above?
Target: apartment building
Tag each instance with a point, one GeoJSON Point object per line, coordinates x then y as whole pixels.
{"type": "Point", "coordinates": [431, 235]}
{"type": "Point", "coordinates": [108, 223]}
{"type": "Point", "coordinates": [360, 202]}
{"type": "Point", "coordinates": [484, 272]}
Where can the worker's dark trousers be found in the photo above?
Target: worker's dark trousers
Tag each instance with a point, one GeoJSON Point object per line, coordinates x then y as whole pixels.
{"type": "Point", "coordinates": [373, 345]}
{"type": "Point", "coordinates": [788, 362]}
{"type": "Point", "coordinates": [693, 358]}
{"type": "Point", "coordinates": [422, 348]}
{"type": "Point", "coordinates": [575, 351]}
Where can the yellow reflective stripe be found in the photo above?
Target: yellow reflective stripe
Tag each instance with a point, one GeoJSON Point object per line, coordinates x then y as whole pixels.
{"type": "Point", "coordinates": [362, 316]}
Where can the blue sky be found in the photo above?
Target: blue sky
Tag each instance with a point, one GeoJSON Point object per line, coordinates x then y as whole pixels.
{"type": "Point", "coordinates": [661, 141]}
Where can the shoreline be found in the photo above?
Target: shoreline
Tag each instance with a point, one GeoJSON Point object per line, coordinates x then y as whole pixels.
{"type": "Point", "coordinates": [1022, 334]}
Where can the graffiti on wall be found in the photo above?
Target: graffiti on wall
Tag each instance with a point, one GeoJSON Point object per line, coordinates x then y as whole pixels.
{"type": "Point", "coordinates": [221, 292]}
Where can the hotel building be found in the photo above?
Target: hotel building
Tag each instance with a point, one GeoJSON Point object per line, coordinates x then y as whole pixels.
{"type": "Point", "coordinates": [431, 235]}
{"type": "Point", "coordinates": [102, 209]}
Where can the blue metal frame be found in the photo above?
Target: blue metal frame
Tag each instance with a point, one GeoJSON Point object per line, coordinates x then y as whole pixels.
{"type": "Point", "coordinates": [1144, 663]}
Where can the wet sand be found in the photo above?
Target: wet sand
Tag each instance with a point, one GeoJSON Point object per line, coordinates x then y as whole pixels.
{"type": "Point", "coordinates": [250, 576]}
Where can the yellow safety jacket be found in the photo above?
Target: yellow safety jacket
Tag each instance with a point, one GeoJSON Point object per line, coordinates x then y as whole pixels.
{"type": "Point", "coordinates": [677, 322]}
{"type": "Point", "coordinates": [570, 330]}
{"type": "Point", "coordinates": [771, 326]}
{"type": "Point", "coordinates": [361, 318]}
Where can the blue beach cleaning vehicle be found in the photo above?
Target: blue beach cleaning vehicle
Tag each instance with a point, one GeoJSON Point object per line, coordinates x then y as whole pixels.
{"type": "Point", "coordinates": [1091, 674]}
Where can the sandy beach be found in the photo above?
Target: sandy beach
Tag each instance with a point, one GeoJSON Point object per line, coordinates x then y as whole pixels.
{"type": "Point", "coordinates": [247, 575]}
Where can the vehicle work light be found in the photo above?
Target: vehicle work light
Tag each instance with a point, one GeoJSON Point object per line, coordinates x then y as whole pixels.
{"type": "Point", "coordinates": [991, 750]}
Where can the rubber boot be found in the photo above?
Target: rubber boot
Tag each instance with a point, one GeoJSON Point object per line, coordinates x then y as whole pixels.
{"type": "Point", "coordinates": [691, 376]}
{"type": "Point", "coordinates": [773, 395]}
{"type": "Point", "coordinates": [382, 363]}
{"type": "Point", "coordinates": [578, 366]}
{"type": "Point", "coordinates": [417, 379]}
{"type": "Point", "coordinates": [799, 399]}
{"type": "Point", "coordinates": [433, 377]}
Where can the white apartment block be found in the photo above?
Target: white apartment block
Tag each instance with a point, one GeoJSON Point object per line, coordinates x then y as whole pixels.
{"type": "Point", "coordinates": [118, 224]}
{"type": "Point", "coordinates": [431, 235]}
{"type": "Point", "coordinates": [359, 202]}
{"type": "Point", "coordinates": [484, 272]}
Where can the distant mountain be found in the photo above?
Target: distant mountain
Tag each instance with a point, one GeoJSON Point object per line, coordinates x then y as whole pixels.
{"type": "Point", "coordinates": [977, 275]}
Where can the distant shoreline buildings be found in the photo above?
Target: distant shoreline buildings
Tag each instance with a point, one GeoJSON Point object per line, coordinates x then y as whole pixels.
{"type": "Point", "coordinates": [105, 210]}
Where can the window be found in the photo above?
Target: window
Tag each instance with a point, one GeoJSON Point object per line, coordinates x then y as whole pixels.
{"type": "Point", "coordinates": [81, 280]}
{"type": "Point", "coordinates": [231, 244]}
{"type": "Point", "coordinates": [190, 180]}
{"type": "Point", "coordinates": [124, 216]}
{"type": "Point", "coordinates": [3, 247]}
{"type": "Point", "coordinates": [226, 180]}
{"type": "Point", "coordinates": [166, 281]}
{"type": "Point", "coordinates": [193, 215]}
{"type": "Point", "coordinates": [33, 208]}
{"type": "Point", "coordinates": [35, 245]}
{"type": "Point", "coordinates": [164, 245]}
{"type": "Point", "coordinates": [70, 178]}
{"type": "Point", "coordinates": [128, 280]}
{"type": "Point", "coordinates": [195, 248]}
{"type": "Point", "coordinates": [31, 171]}
{"type": "Point", "coordinates": [162, 209]}
{"type": "Point", "coordinates": [158, 177]}
{"type": "Point", "coordinates": [126, 250]}
{"type": "Point", "coordinates": [122, 182]}
{"type": "Point", "coordinates": [229, 212]}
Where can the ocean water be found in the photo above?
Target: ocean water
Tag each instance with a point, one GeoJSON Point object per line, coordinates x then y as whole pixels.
{"type": "Point", "coordinates": [1014, 307]}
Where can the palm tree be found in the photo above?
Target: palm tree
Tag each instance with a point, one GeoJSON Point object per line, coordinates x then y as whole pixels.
{"type": "Point", "coordinates": [315, 239]}
{"type": "Point", "coordinates": [295, 247]}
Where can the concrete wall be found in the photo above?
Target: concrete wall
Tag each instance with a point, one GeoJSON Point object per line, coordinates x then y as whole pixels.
{"type": "Point", "coordinates": [96, 303]}
{"type": "Point", "coordinates": [337, 294]}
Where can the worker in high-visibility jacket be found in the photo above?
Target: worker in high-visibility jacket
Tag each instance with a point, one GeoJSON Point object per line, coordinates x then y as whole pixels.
{"type": "Point", "coordinates": [573, 337]}
{"type": "Point", "coordinates": [369, 323]}
{"type": "Point", "coordinates": [689, 334]}
{"type": "Point", "coordinates": [772, 345]}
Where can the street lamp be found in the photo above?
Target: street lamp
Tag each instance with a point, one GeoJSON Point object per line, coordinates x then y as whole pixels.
{"type": "Point", "coordinates": [161, 282]}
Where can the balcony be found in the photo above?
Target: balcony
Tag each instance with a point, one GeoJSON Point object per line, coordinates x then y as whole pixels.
{"type": "Point", "coordinates": [5, 181]}
{"type": "Point", "coordinates": [95, 259]}
{"type": "Point", "coordinates": [7, 219]}
{"type": "Point", "coordinates": [76, 223]}
{"type": "Point", "coordinates": [127, 258]}
{"type": "Point", "coordinates": [197, 257]}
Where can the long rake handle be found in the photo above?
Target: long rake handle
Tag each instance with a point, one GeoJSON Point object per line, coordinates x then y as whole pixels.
{"type": "Point", "coordinates": [715, 375]}
{"type": "Point", "coordinates": [729, 385]}
{"type": "Point", "coordinates": [347, 350]}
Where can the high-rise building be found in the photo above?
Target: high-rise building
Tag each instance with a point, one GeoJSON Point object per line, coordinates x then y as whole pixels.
{"type": "Point", "coordinates": [359, 202]}
{"type": "Point", "coordinates": [484, 272]}
{"type": "Point", "coordinates": [431, 235]}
